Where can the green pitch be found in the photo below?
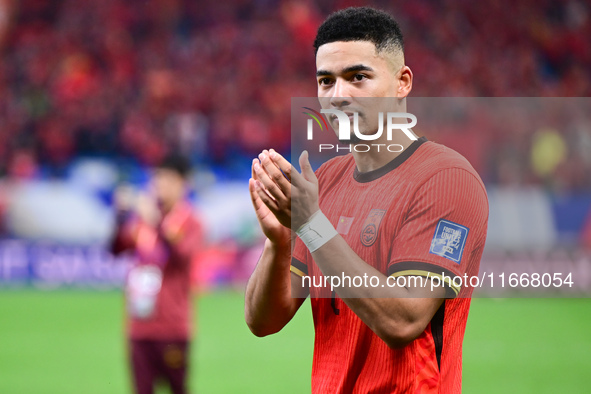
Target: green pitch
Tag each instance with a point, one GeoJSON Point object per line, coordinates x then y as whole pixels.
{"type": "Point", "coordinates": [71, 342]}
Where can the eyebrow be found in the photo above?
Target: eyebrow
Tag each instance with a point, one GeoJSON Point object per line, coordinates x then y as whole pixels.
{"type": "Point", "coordinates": [346, 70]}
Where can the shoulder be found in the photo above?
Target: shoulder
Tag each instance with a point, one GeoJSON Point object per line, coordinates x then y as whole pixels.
{"type": "Point", "coordinates": [437, 156]}
{"type": "Point", "coordinates": [436, 160]}
{"type": "Point", "coordinates": [446, 183]}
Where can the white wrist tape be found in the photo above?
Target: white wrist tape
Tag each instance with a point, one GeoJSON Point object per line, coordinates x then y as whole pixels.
{"type": "Point", "coordinates": [316, 232]}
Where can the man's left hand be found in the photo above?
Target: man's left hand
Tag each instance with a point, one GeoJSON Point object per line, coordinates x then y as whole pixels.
{"type": "Point", "coordinates": [291, 196]}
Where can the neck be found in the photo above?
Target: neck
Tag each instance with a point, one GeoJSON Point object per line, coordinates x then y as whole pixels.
{"type": "Point", "coordinates": [379, 155]}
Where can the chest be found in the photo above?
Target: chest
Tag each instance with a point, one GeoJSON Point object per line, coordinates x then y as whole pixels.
{"type": "Point", "coordinates": [368, 215]}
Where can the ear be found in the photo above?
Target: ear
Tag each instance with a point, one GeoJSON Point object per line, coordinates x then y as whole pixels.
{"type": "Point", "coordinates": [404, 82]}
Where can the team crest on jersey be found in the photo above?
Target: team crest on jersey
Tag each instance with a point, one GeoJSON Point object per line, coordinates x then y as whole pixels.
{"type": "Point", "coordinates": [449, 240]}
{"type": "Point", "coordinates": [369, 232]}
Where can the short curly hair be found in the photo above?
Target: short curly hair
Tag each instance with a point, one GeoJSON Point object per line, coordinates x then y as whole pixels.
{"type": "Point", "coordinates": [361, 24]}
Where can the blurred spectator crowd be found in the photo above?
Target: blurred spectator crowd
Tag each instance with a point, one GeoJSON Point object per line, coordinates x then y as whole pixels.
{"type": "Point", "coordinates": [130, 80]}
{"type": "Point", "coordinates": [95, 92]}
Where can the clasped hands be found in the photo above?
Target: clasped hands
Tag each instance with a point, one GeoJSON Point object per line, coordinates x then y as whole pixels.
{"type": "Point", "coordinates": [281, 196]}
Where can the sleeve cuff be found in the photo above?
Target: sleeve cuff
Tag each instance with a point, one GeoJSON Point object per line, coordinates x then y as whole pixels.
{"type": "Point", "coordinates": [412, 268]}
{"type": "Point", "coordinates": [298, 268]}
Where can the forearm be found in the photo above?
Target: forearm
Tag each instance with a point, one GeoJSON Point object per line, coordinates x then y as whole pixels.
{"type": "Point", "coordinates": [396, 314]}
{"type": "Point", "coordinates": [268, 300]}
{"type": "Point", "coordinates": [180, 233]}
{"type": "Point", "coordinates": [181, 245]}
{"type": "Point", "coordinates": [123, 237]}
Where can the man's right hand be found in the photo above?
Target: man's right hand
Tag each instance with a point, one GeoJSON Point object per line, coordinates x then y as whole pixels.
{"type": "Point", "coordinates": [278, 234]}
{"type": "Point", "coordinates": [273, 293]}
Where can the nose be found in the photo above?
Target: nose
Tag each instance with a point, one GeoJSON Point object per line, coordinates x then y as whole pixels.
{"type": "Point", "coordinates": [341, 96]}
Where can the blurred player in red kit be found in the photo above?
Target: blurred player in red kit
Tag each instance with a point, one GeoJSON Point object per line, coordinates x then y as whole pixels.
{"type": "Point", "coordinates": [421, 211]}
{"type": "Point", "coordinates": [162, 231]}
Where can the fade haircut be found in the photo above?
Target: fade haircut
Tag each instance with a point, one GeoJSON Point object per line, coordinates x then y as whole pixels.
{"type": "Point", "coordinates": [361, 24]}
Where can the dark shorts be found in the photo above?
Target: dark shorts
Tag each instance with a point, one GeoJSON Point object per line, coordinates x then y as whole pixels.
{"type": "Point", "coordinates": [152, 361]}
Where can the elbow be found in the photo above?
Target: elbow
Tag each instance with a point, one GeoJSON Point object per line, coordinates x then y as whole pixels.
{"type": "Point", "coordinates": [397, 342]}
{"type": "Point", "coordinates": [399, 336]}
{"type": "Point", "coordinates": [259, 329]}
{"type": "Point", "coordinates": [116, 250]}
{"type": "Point", "coordinates": [258, 325]}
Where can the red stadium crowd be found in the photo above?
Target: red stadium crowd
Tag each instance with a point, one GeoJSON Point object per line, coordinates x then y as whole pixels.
{"type": "Point", "coordinates": [135, 78]}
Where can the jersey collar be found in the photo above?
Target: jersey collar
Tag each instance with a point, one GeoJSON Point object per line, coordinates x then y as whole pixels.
{"type": "Point", "coordinates": [364, 177]}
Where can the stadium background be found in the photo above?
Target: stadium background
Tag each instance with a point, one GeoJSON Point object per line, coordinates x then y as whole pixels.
{"type": "Point", "coordinates": [95, 92]}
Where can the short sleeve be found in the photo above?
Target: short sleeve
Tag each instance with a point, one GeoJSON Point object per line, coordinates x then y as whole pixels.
{"type": "Point", "coordinates": [444, 230]}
